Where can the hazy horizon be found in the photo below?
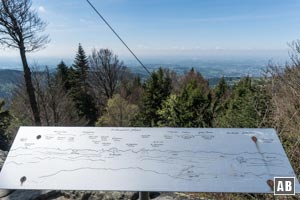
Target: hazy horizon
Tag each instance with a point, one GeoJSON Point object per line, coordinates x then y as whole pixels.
{"type": "Point", "coordinates": [280, 57]}
{"type": "Point", "coordinates": [171, 32]}
{"type": "Point", "coordinates": [210, 66]}
{"type": "Point", "coordinates": [171, 28]}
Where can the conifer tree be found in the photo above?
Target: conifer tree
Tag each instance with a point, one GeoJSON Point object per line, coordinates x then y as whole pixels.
{"type": "Point", "coordinates": [81, 67]}
{"type": "Point", "coordinates": [188, 109]}
{"type": "Point", "coordinates": [220, 100]}
{"type": "Point", "coordinates": [221, 89]}
{"type": "Point", "coordinates": [157, 89]}
{"type": "Point", "coordinates": [247, 106]}
{"type": "Point", "coordinates": [80, 89]}
{"type": "Point", "coordinates": [64, 73]}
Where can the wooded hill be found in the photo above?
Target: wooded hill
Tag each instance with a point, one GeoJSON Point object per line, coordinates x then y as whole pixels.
{"type": "Point", "coordinates": [99, 90]}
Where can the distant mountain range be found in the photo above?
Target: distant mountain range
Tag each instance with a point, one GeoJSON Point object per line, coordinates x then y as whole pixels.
{"type": "Point", "coordinates": [8, 82]}
{"type": "Point", "coordinates": [9, 76]}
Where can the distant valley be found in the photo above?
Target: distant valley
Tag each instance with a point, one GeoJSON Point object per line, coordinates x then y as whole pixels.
{"type": "Point", "coordinates": [232, 69]}
{"type": "Point", "coordinates": [8, 81]}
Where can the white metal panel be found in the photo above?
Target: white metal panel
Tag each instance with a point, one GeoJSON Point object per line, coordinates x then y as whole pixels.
{"type": "Point", "coordinates": [145, 159]}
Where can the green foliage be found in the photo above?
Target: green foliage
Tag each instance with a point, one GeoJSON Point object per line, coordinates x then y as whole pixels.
{"type": "Point", "coordinates": [81, 67]}
{"type": "Point", "coordinates": [164, 99]}
{"type": "Point", "coordinates": [64, 74]}
{"type": "Point", "coordinates": [85, 105]}
{"type": "Point", "coordinates": [79, 91]}
{"type": "Point", "coordinates": [219, 105]}
{"type": "Point", "coordinates": [221, 89]}
{"type": "Point", "coordinates": [131, 88]}
{"type": "Point", "coordinates": [156, 89]}
{"type": "Point", "coordinates": [197, 77]}
{"type": "Point", "coordinates": [170, 112]}
{"type": "Point", "coordinates": [5, 119]}
{"type": "Point", "coordinates": [15, 123]}
{"type": "Point", "coordinates": [247, 107]}
{"type": "Point", "coordinates": [119, 112]}
{"type": "Point", "coordinates": [189, 109]}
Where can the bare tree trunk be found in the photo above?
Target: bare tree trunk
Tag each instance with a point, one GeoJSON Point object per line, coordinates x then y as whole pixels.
{"type": "Point", "coordinates": [30, 88]}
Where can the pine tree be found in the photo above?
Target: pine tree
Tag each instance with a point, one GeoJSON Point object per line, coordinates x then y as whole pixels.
{"type": "Point", "coordinates": [170, 113]}
{"type": "Point", "coordinates": [220, 100]}
{"type": "Point", "coordinates": [157, 89]}
{"type": "Point", "coordinates": [221, 89]}
{"type": "Point", "coordinates": [247, 106]}
{"type": "Point", "coordinates": [131, 89]}
{"type": "Point", "coordinates": [188, 109]}
{"type": "Point", "coordinates": [81, 67]}
{"type": "Point", "coordinates": [197, 77]}
{"type": "Point", "coordinates": [80, 89]}
{"type": "Point", "coordinates": [63, 72]}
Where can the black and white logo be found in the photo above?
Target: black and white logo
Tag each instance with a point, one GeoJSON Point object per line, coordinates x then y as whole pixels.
{"type": "Point", "coordinates": [284, 186]}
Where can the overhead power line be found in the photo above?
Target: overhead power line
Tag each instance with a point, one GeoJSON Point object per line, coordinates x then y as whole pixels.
{"type": "Point", "coordinates": [103, 19]}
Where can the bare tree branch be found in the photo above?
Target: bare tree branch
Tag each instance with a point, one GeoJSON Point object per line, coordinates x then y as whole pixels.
{"type": "Point", "coordinates": [21, 28]}
{"type": "Point", "coordinates": [106, 71]}
{"type": "Point", "coordinates": [22, 24]}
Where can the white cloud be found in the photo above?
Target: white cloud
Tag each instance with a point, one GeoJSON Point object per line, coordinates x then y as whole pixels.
{"type": "Point", "coordinates": [42, 9]}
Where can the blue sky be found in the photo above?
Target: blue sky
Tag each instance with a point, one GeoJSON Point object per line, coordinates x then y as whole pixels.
{"type": "Point", "coordinates": [153, 28]}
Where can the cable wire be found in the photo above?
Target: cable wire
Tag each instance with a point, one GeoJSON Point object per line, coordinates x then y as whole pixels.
{"type": "Point", "coordinates": [118, 36]}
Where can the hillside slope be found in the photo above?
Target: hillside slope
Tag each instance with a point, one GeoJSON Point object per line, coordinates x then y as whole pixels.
{"type": "Point", "coordinates": [8, 81]}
